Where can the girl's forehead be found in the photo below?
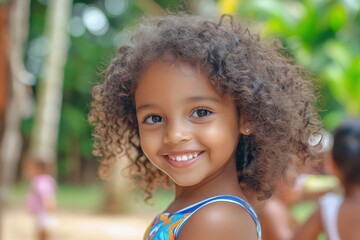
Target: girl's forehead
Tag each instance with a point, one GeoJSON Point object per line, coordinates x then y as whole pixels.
{"type": "Point", "coordinates": [172, 69]}
{"type": "Point", "coordinates": [173, 80]}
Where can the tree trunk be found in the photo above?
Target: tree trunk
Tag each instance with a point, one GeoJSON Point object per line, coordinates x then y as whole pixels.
{"type": "Point", "coordinates": [46, 124]}
{"type": "Point", "coordinates": [4, 35]}
{"type": "Point", "coordinates": [19, 93]}
{"type": "Point", "coordinates": [13, 29]}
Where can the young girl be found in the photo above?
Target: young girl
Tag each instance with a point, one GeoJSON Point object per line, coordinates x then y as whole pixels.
{"type": "Point", "coordinates": [205, 105]}
{"type": "Point", "coordinates": [338, 215]}
{"type": "Point", "coordinates": [41, 197]}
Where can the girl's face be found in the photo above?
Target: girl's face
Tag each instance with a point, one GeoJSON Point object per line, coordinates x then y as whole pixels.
{"type": "Point", "coordinates": [187, 129]}
{"type": "Point", "coordinates": [31, 169]}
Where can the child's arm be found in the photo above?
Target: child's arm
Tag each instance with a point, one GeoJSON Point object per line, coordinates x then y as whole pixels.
{"type": "Point", "coordinates": [311, 228]}
{"type": "Point", "coordinates": [220, 221]}
{"type": "Point", "coordinates": [276, 222]}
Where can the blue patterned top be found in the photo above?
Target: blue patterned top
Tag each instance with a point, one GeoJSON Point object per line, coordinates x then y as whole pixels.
{"type": "Point", "coordinates": [167, 226]}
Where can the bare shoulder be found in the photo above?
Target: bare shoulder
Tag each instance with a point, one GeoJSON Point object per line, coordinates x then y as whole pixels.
{"type": "Point", "coordinates": [348, 220]}
{"type": "Point", "coordinates": [276, 222]}
{"type": "Point", "coordinates": [220, 220]}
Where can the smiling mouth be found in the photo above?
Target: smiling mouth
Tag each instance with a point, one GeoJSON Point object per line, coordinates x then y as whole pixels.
{"type": "Point", "coordinates": [183, 157]}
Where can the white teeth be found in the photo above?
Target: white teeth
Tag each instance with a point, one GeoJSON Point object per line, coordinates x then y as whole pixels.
{"type": "Point", "coordinates": [184, 157]}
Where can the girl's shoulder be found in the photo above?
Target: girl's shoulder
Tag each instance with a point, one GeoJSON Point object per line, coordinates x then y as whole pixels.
{"type": "Point", "coordinates": [220, 217]}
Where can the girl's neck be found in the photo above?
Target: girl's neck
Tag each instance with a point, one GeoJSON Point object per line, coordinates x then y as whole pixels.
{"type": "Point", "coordinates": [223, 182]}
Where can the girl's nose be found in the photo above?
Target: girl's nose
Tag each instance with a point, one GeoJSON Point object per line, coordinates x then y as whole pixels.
{"type": "Point", "coordinates": [176, 133]}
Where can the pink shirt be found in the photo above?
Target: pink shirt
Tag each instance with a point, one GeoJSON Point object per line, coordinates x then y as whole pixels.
{"type": "Point", "coordinates": [42, 187]}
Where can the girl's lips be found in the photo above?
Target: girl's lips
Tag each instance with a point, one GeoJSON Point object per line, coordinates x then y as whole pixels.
{"type": "Point", "coordinates": [183, 159]}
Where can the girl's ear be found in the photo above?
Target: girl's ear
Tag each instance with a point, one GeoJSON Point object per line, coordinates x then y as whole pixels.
{"type": "Point", "coordinates": [245, 126]}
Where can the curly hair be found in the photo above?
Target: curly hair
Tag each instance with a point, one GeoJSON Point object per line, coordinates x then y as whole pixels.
{"type": "Point", "coordinates": [276, 96]}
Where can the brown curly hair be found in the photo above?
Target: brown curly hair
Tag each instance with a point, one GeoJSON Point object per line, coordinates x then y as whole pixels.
{"type": "Point", "coordinates": [275, 95]}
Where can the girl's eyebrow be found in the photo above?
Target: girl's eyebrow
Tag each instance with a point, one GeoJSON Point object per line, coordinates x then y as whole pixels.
{"type": "Point", "coordinates": [202, 98]}
{"type": "Point", "coordinates": [190, 99]}
{"type": "Point", "coordinates": [144, 106]}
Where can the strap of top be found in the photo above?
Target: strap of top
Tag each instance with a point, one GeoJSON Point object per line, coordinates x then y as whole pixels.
{"type": "Point", "coordinates": [221, 198]}
{"type": "Point", "coordinates": [330, 204]}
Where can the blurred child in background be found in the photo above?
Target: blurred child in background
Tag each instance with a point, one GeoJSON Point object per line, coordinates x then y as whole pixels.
{"type": "Point", "coordinates": [277, 221]}
{"type": "Point", "coordinates": [41, 197]}
{"type": "Point", "coordinates": [338, 215]}
{"type": "Point", "coordinates": [301, 183]}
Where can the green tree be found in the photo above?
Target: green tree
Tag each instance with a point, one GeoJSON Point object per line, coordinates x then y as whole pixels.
{"type": "Point", "coordinates": [323, 36]}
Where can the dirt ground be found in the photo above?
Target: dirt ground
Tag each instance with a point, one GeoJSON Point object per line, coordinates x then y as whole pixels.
{"type": "Point", "coordinates": [18, 225]}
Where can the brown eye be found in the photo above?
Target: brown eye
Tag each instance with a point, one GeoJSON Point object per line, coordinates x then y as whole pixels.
{"type": "Point", "coordinates": [152, 119]}
{"type": "Point", "coordinates": [200, 113]}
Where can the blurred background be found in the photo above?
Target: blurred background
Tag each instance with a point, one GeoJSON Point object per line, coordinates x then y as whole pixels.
{"type": "Point", "coordinates": [53, 51]}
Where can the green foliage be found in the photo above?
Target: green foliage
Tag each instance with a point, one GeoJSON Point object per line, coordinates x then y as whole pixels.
{"type": "Point", "coordinates": [172, 5]}
{"type": "Point", "coordinates": [324, 38]}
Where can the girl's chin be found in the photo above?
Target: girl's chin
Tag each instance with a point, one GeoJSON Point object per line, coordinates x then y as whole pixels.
{"type": "Point", "coordinates": [185, 181]}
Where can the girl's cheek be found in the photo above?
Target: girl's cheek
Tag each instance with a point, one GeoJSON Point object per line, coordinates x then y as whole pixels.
{"type": "Point", "coordinates": [212, 132]}
{"type": "Point", "coordinates": [146, 142]}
